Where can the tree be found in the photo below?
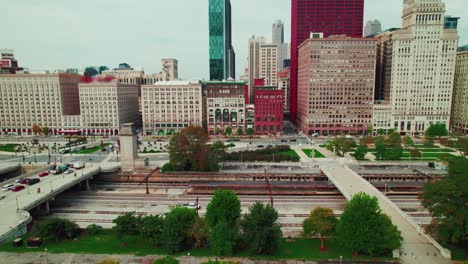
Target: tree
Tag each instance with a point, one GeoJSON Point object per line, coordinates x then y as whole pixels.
{"type": "Point", "coordinates": [394, 152]}
{"type": "Point", "coordinates": [102, 68]}
{"type": "Point", "coordinates": [360, 152]}
{"type": "Point", "coordinates": [341, 145]}
{"type": "Point", "coordinates": [380, 147]}
{"type": "Point", "coordinates": [127, 224]}
{"type": "Point", "coordinates": [446, 200]}
{"type": "Point", "coordinates": [408, 141]}
{"type": "Point", "coordinates": [186, 149]}
{"type": "Point", "coordinates": [462, 146]}
{"type": "Point", "coordinates": [394, 139]}
{"type": "Point", "coordinates": [151, 228]}
{"type": "Point", "coordinates": [228, 131]}
{"type": "Point", "coordinates": [365, 229]}
{"type": "Point", "coordinates": [175, 233]}
{"type": "Point", "coordinates": [240, 132]}
{"type": "Point", "coordinates": [90, 71]}
{"type": "Point", "coordinates": [381, 131]}
{"type": "Point", "coordinates": [222, 215]}
{"type": "Point", "coordinates": [45, 131]}
{"type": "Point", "coordinates": [218, 131]}
{"type": "Point", "coordinates": [57, 229]}
{"type": "Point", "coordinates": [415, 153]}
{"type": "Point", "coordinates": [250, 131]}
{"type": "Point", "coordinates": [366, 141]}
{"type": "Point", "coordinates": [260, 231]}
{"type": "Point", "coordinates": [36, 129]}
{"type": "Point", "coordinates": [200, 232]}
{"type": "Point", "coordinates": [437, 130]}
{"type": "Point", "coordinates": [321, 222]}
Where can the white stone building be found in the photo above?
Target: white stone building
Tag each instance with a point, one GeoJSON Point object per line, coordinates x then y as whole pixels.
{"type": "Point", "coordinates": [105, 106]}
{"type": "Point", "coordinates": [460, 98]}
{"type": "Point", "coordinates": [171, 106]}
{"type": "Point", "coordinates": [422, 68]}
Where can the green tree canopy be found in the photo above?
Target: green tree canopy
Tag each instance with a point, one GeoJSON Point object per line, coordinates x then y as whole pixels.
{"type": "Point", "coordinates": [446, 200]}
{"type": "Point", "coordinates": [228, 131]}
{"type": "Point", "coordinates": [408, 141]}
{"type": "Point", "coordinates": [187, 149]}
{"type": "Point", "coordinates": [240, 132]}
{"type": "Point", "coordinates": [222, 215]}
{"type": "Point", "coordinates": [363, 228]}
{"type": "Point", "coordinates": [91, 71]}
{"type": "Point", "coordinates": [360, 152]}
{"type": "Point", "coordinates": [394, 139]}
{"type": "Point", "coordinates": [250, 131]}
{"type": "Point", "coordinates": [341, 145]}
{"type": "Point", "coordinates": [127, 224]}
{"type": "Point", "coordinates": [200, 232]}
{"type": "Point", "coordinates": [57, 229]}
{"type": "Point", "coordinates": [175, 234]}
{"type": "Point", "coordinates": [261, 233]}
{"type": "Point", "coordinates": [151, 228]}
{"type": "Point", "coordinates": [415, 153]}
{"type": "Point", "coordinates": [321, 222]}
{"type": "Point", "coordinates": [436, 130]}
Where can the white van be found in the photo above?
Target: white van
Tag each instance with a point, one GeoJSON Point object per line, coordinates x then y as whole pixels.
{"type": "Point", "coordinates": [78, 165]}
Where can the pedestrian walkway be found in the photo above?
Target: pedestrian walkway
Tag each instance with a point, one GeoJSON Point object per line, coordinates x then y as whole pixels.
{"type": "Point", "coordinates": [417, 247]}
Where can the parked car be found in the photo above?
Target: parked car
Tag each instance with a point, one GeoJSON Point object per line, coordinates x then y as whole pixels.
{"type": "Point", "coordinates": [7, 187]}
{"type": "Point", "coordinates": [293, 140]}
{"type": "Point", "coordinates": [19, 180]}
{"type": "Point", "coordinates": [43, 174]}
{"type": "Point", "coordinates": [69, 171]}
{"type": "Point", "coordinates": [33, 181]}
{"type": "Point", "coordinates": [24, 181]}
{"type": "Point", "coordinates": [192, 206]}
{"type": "Point", "coordinates": [17, 188]}
{"type": "Point", "coordinates": [284, 140]}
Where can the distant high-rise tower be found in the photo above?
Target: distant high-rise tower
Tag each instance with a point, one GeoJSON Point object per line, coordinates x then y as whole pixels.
{"type": "Point", "coordinates": [372, 27]}
{"type": "Point", "coordinates": [222, 56]}
{"type": "Point", "coordinates": [278, 40]}
{"type": "Point", "coordinates": [330, 17]}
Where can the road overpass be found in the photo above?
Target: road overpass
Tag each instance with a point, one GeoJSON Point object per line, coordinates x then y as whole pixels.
{"type": "Point", "coordinates": [417, 247]}
{"type": "Point", "coordinates": [15, 206]}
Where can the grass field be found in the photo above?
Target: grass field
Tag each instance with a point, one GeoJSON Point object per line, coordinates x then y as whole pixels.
{"type": "Point", "coordinates": [430, 155]}
{"type": "Point", "coordinates": [317, 154]}
{"type": "Point", "coordinates": [107, 243]}
{"type": "Point", "coordinates": [290, 153]}
{"type": "Point", "coordinates": [9, 147]}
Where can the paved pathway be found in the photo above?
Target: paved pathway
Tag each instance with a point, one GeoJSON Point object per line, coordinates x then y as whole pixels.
{"type": "Point", "coordinates": [416, 247]}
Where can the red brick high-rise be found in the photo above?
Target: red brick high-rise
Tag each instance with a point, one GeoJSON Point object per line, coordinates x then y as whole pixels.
{"type": "Point", "coordinates": [330, 17]}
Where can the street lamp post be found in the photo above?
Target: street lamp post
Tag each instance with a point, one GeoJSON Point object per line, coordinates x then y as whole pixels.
{"type": "Point", "coordinates": [385, 189]}
{"type": "Point", "coordinates": [46, 257]}
{"type": "Point", "coordinates": [188, 255]}
{"type": "Point", "coordinates": [341, 259]}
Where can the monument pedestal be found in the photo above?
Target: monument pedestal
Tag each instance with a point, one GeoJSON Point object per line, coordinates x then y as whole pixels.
{"type": "Point", "coordinates": [130, 162]}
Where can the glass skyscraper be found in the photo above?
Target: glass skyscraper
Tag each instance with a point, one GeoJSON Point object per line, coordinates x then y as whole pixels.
{"type": "Point", "coordinates": [222, 56]}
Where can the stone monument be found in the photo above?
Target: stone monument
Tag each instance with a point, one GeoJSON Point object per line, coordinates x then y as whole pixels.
{"type": "Point", "coordinates": [130, 162]}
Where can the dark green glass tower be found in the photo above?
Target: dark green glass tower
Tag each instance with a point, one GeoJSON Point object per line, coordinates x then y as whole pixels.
{"type": "Point", "coordinates": [222, 56]}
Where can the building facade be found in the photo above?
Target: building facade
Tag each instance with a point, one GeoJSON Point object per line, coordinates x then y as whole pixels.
{"type": "Point", "coordinates": [171, 106]}
{"type": "Point", "coordinates": [422, 68]}
{"type": "Point", "coordinates": [225, 106]}
{"type": "Point", "coordinates": [372, 27]}
{"type": "Point", "coordinates": [336, 82]}
{"type": "Point", "coordinates": [268, 110]}
{"type": "Point", "coordinates": [332, 17]}
{"type": "Point", "coordinates": [37, 99]}
{"type": "Point", "coordinates": [460, 95]}
{"type": "Point", "coordinates": [255, 44]}
{"type": "Point", "coordinates": [222, 55]}
{"type": "Point", "coordinates": [278, 39]}
{"type": "Point", "coordinates": [268, 63]}
{"type": "Point", "coordinates": [283, 84]}
{"type": "Point", "coordinates": [105, 106]}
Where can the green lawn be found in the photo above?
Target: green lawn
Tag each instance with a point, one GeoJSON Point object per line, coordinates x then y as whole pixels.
{"type": "Point", "coordinates": [90, 150]}
{"type": "Point", "coordinates": [9, 147]}
{"type": "Point", "coordinates": [107, 243]}
{"type": "Point", "coordinates": [317, 154]}
{"type": "Point", "coordinates": [430, 155]}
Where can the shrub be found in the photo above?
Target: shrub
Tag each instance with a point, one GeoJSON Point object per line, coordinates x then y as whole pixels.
{"type": "Point", "coordinates": [57, 229]}
{"type": "Point", "coordinates": [94, 229]}
{"type": "Point", "coordinates": [167, 167]}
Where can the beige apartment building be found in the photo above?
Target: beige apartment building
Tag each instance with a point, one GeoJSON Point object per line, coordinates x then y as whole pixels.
{"type": "Point", "coordinates": [171, 106]}
{"type": "Point", "coordinates": [263, 63]}
{"type": "Point", "coordinates": [105, 106]}
{"type": "Point", "coordinates": [336, 81]}
{"type": "Point", "coordinates": [460, 95]}
{"type": "Point", "coordinates": [37, 99]}
{"type": "Point", "coordinates": [419, 75]}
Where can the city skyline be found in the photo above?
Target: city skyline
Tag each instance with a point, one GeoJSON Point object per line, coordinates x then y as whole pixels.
{"type": "Point", "coordinates": [74, 35]}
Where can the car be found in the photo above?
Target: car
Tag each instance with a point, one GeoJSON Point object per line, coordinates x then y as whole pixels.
{"type": "Point", "coordinates": [33, 181]}
{"type": "Point", "coordinates": [24, 181]}
{"type": "Point", "coordinates": [284, 140]}
{"type": "Point", "coordinates": [17, 188]}
{"type": "Point", "coordinates": [293, 140]}
{"type": "Point", "coordinates": [260, 146]}
{"type": "Point", "coordinates": [43, 174]}
{"type": "Point", "coordinates": [19, 180]}
{"type": "Point", "coordinates": [78, 165]}
{"type": "Point", "coordinates": [192, 206]}
{"type": "Point", "coordinates": [7, 187]}
{"type": "Point", "coordinates": [69, 171]}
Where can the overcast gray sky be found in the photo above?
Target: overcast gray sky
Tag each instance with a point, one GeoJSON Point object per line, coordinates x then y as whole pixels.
{"type": "Point", "coordinates": [59, 34]}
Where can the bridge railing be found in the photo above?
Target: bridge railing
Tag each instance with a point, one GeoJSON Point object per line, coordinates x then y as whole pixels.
{"type": "Point", "coordinates": [18, 229]}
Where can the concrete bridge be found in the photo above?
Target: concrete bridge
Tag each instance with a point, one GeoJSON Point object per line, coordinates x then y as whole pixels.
{"type": "Point", "coordinates": [15, 206]}
{"type": "Point", "coordinates": [417, 247]}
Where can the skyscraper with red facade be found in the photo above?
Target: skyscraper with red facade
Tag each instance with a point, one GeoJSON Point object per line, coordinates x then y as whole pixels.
{"type": "Point", "coordinates": [330, 17]}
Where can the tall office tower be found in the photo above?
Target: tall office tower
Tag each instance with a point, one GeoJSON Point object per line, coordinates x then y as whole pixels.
{"type": "Point", "coordinates": [422, 68]}
{"type": "Point", "coordinates": [372, 27]}
{"type": "Point", "coordinates": [268, 63]}
{"type": "Point", "coordinates": [278, 39]}
{"type": "Point", "coordinates": [254, 63]}
{"type": "Point", "coordinates": [336, 81]}
{"type": "Point", "coordinates": [331, 17]}
{"type": "Point", "coordinates": [460, 95]}
{"type": "Point", "coordinates": [222, 56]}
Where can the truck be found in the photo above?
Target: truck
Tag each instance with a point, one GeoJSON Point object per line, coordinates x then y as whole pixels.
{"type": "Point", "coordinates": [78, 165]}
